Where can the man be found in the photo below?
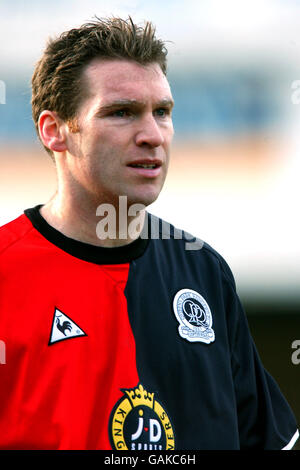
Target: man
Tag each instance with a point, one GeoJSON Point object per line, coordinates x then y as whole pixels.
{"type": "Point", "coordinates": [121, 338]}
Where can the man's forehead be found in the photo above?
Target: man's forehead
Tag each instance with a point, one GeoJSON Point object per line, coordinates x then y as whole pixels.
{"type": "Point", "coordinates": [122, 78]}
{"type": "Point", "coordinates": [123, 67]}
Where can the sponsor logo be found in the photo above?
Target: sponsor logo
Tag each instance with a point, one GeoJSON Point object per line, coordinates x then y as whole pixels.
{"type": "Point", "coordinates": [139, 422]}
{"type": "Point", "coordinates": [194, 316]}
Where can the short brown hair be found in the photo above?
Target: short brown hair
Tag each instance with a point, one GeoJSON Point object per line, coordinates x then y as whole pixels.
{"type": "Point", "coordinates": [56, 81]}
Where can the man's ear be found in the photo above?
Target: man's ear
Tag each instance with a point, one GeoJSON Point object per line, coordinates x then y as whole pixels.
{"type": "Point", "coordinates": [52, 131]}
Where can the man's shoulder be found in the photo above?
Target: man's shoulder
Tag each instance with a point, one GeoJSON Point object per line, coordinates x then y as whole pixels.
{"type": "Point", "coordinates": [13, 231]}
{"type": "Point", "coordinates": [191, 245]}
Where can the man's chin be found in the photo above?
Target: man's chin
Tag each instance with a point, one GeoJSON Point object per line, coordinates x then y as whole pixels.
{"type": "Point", "coordinates": [143, 200]}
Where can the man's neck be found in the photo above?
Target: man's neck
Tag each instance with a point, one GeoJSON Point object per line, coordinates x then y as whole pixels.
{"type": "Point", "coordinates": [102, 225]}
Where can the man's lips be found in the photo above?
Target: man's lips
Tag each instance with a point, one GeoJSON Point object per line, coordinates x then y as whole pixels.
{"type": "Point", "coordinates": [149, 168]}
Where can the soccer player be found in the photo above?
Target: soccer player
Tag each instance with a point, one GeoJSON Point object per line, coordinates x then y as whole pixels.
{"type": "Point", "coordinates": [121, 331]}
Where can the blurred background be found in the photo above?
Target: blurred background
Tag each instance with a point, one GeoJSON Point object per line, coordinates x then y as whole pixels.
{"type": "Point", "coordinates": [234, 70]}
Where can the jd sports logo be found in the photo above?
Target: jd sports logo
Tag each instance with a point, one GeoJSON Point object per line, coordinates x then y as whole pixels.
{"type": "Point", "coordinates": [63, 328]}
{"type": "Point", "coordinates": [139, 422]}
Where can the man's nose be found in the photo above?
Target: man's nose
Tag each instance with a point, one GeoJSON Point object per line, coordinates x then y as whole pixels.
{"type": "Point", "coordinates": [149, 133]}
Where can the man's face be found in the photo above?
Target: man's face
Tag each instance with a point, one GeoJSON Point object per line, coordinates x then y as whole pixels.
{"type": "Point", "coordinates": [125, 131]}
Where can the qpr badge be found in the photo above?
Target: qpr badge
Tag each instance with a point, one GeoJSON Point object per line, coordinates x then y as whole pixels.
{"type": "Point", "coordinates": [194, 316]}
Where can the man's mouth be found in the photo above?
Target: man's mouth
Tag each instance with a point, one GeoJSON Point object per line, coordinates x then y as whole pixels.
{"type": "Point", "coordinates": [141, 165]}
{"type": "Point", "coordinates": [148, 169]}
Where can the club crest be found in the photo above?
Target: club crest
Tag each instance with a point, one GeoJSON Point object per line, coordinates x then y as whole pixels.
{"type": "Point", "coordinates": [194, 316]}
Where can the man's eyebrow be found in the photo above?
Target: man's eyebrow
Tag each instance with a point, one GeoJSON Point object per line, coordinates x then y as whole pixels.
{"type": "Point", "coordinates": [166, 102]}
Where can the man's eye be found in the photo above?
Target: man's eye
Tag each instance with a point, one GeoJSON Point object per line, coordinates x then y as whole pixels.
{"type": "Point", "coordinates": [162, 112]}
{"type": "Point", "coordinates": [121, 113]}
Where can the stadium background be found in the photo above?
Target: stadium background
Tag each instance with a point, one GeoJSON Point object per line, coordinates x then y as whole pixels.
{"type": "Point", "coordinates": [234, 174]}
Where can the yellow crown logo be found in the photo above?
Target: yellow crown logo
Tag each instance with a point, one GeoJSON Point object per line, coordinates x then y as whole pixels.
{"type": "Point", "coordinates": [139, 396]}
